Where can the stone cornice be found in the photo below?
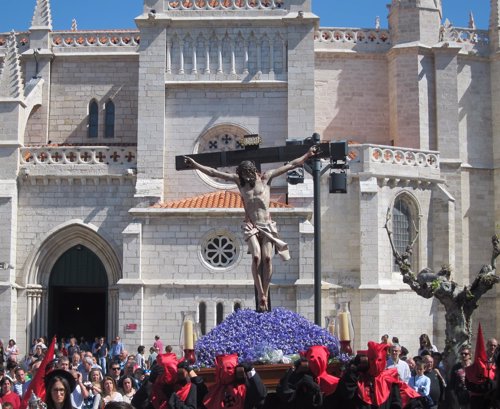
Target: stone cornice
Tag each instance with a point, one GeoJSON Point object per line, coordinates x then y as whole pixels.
{"type": "Point", "coordinates": [150, 212]}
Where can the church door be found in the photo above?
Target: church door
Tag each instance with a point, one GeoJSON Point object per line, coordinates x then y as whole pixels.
{"type": "Point", "coordinates": [77, 295]}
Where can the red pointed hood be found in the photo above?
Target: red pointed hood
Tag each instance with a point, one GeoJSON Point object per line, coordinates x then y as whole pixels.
{"type": "Point", "coordinates": [377, 357]}
{"type": "Point", "coordinates": [479, 372]}
{"type": "Point", "coordinates": [374, 388]}
{"type": "Point", "coordinates": [317, 356]}
{"type": "Point", "coordinates": [224, 388]}
{"type": "Point", "coordinates": [169, 363]}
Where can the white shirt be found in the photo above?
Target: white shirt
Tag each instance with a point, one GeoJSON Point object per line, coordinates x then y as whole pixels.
{"type": "Point", "coordinates": [402, 367]}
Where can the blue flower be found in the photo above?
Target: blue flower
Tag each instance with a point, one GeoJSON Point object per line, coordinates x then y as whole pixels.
{"type": "Point", "coordinates": [254, 335]}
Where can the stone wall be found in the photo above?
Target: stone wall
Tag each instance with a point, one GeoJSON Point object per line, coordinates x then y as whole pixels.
{"type": "Point", "coordinates": [192, 111]}
{"type": "Point", "coordinates": [351, 97]}
{"type": "Point", "coordinates": [45, 206]}
{"type": "Point", "coordinates": [176, 278]}
{"type": "Point", "coordinates": [78, 80]}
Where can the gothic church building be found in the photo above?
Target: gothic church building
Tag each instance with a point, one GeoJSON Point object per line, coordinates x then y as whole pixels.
{"type": "Point", "coordinates": [101, 234]}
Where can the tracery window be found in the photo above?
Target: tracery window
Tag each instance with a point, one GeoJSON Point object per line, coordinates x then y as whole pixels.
{"type": "Point", "coordinates": [221, 138]}
{"type": "Point", "coordinates": [93, 123]}
{"type": "Point", "coordinates": [109, 120]}
{"type": "Point", "coordinates": [404, 227]}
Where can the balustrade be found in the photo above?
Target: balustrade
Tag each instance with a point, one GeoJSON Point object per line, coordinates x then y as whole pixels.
{"type": "Point", "coordinates": [464, 35]}
{"type": "Point", "coordinates": [224, 4]}
{"type": "Point", "coordinates": [79, 155]}
{"type": "Point", "coordinates": [393, 156]}
{"type": "Point", "coordinates": [75, 39]}
{"type": "Point", "coordinates": [352, 35]}
{"type": "Point", "coordinates": [23, 41]}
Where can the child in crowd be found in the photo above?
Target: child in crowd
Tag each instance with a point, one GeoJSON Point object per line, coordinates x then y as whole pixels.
{"type": "Point", "coordinates": [420, 382]}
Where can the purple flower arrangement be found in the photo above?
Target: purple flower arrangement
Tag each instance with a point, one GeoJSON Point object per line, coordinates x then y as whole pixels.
{"type": "Point", "coordinates": [255, 335]}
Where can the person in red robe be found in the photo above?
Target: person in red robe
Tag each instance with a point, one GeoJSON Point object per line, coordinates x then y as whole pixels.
{"type": "Point", "coordinates": [479, 377]}
{"type": "Point", "coordinates": [367, 384]}
{"type": "Point", "coordinates": [236, 386]}
{"type": "Point", "coordinates": [174, 389]}
{"type": "Point", "coordinates": [307, 385]}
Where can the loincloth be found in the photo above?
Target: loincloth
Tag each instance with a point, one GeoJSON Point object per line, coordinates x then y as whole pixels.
{"type": "Point", "coordinates": [270, 232]}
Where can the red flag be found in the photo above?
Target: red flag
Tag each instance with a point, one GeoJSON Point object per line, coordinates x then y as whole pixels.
{"type": "Point", "coordinates": [37, 383]}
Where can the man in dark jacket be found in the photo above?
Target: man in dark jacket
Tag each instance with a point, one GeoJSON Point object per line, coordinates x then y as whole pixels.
{"type": "Point", "coordinates": [437, 382]}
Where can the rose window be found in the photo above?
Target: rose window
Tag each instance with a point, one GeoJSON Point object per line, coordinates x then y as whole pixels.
{"type": "Point", "coordinates": [219, 251]}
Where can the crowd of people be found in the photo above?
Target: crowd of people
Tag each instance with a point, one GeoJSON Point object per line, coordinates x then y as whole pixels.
{"type": "Point", "coordinates": [79, 375]}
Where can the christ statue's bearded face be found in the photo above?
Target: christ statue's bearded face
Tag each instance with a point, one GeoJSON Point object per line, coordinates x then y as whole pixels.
{"type": "Point", "coordinates": [247, 173]}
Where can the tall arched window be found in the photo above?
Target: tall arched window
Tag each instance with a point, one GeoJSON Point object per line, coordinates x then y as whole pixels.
{"type": "Point", "coordinates": [219, 313]}
{"type": "Point", "coordinates": [93, 124]}
{"type": "Point", "coordinates": [404, 227]}
{"type": "Point", "coordinates": [236, 306]}
{"type": "Point", "coordinates": [202, 317]}
{"type": "Point", "coordinates": [109, 120]}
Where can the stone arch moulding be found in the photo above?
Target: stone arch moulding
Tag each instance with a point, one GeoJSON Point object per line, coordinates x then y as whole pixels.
{"type": "Point", "coordinates": [214, 134]}
{"type": "Point", "coordinates": [47, 251]}
{"type": "Point", "coordinates": [416, 215]}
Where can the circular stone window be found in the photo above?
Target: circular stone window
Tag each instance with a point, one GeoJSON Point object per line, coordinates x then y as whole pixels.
{"type": "Point", "coordinates": [221, 138]}
{"type": "Point", "coordinates": [220, 250]}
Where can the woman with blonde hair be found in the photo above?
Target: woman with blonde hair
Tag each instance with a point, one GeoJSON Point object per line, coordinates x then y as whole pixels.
{"type": "Point", "coordinates": [109, 393]}
{"type": "Point", "coordinates": [94, 387]}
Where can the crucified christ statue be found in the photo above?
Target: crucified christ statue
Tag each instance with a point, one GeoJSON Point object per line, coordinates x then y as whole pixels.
{"type": "Point", "coordinates": [259, 230]}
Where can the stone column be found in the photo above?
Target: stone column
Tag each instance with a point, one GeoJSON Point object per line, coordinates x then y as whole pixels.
{"type": "Point", "coordinates": [113, 317]}
{"type": "Point", "coordinates": [369, 221]}
{"type": "Point", "coordinates": [304, 286]}
{"type": "Point", "coordinates": [446, 76]}
{"type": "Point", "coordinates": [300, 76]}
{"type": "Point", "coordinates": [34, 313]}
{"type": "Point", "coordinates": [151, 112]}
{"type": "Point", "coordinates": [131, 287]}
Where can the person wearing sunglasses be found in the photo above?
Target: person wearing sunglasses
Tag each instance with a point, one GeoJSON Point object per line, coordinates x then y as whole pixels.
{"type": "Point", "coordinates": [457, 388]}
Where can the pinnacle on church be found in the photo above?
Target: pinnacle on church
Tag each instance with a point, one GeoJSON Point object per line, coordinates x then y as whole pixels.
{"type": "Point", "coordinates": [42, 16]}
{"type": "Point", "coordinates": [11, 83]}
{"type": "Point", "coordinates": [472, 23]}
{"type": "Point", "coordinates": [494, 15]}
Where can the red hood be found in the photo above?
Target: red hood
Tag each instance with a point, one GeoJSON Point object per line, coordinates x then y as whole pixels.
{"type": "Point", "coordinates": [479, 371]}
{"type": "Point", "coordinates": [318, 359]}
{"type": "Point", "coordinates": [317, 356]}
{"type": "Point", "coordinates": [225, 368]}
{"type": "Point", "coordinates": [169, 363]}
{"type": "Point", "coordinates": [377, 357]}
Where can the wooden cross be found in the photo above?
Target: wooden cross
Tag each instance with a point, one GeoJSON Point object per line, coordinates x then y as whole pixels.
{"type": "Point", "coordinates": [335, 151]}
{"type": "Point", "coordinates": [259, 155]}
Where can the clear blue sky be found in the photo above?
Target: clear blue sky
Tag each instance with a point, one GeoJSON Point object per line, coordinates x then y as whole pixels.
{"type": "Point", "coordinates": [115, 14]}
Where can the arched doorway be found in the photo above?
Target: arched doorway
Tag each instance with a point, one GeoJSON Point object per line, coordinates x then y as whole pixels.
{"type": "Point", "coordinates": [77, 292]}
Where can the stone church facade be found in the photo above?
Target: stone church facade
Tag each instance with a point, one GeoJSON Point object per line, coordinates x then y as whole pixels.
{"type": "Point", "coordinates": [101, 234]}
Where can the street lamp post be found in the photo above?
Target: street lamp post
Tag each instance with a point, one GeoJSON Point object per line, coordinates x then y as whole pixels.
{"type": "Point", "coordinates": [338, 161]}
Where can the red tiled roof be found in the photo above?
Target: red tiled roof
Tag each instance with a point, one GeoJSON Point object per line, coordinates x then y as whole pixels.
{"type": "Point", "coordinates": [221, 199]}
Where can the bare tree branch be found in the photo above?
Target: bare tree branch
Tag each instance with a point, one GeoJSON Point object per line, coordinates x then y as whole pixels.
{"type": "Point", "coordinates": [459, 302]}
